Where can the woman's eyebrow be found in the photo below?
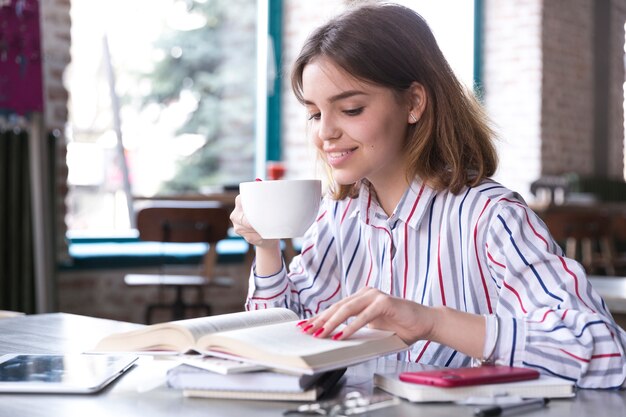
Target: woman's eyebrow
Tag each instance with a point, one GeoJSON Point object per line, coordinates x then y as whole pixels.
{"type": "Point", "coordinates": [340, 96]}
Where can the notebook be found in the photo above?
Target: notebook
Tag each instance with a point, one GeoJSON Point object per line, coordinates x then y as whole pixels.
{"type": "Point", "coordinates": [544, 387]}
{"type": "Point", "coordinates": [327, 382]}
{"type": "Point", "coordinates": [185, 376]}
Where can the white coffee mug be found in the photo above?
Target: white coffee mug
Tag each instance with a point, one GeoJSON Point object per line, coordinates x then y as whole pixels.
{"type": "Point", "coordinates": [281, 209]}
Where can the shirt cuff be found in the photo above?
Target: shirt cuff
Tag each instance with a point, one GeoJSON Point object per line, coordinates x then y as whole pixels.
{"type": "Point", "coordinates": [266, 285]}
{"type": "Point", "coordinates": [511, 341]}
{"type": "Point", "coordinates": [491, 337]}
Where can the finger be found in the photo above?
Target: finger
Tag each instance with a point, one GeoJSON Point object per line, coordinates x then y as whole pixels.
{"type": "Point", "coordinates": [316, 322]}
{"type": "Point", "coordinates": [327, 323]}
{"type": "Point", "coordinates": [337, 305]}
{"type": "Point", "coordinates": [365, 317]}
{"type": "Point", "coordinates": [376, 306]}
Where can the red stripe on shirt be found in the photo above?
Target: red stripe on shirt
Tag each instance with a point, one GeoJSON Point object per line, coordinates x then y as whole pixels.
{"type": "Point", "coordinates": [406, 240]}
{"type": "Point", "coordinates": [443, 293]}
{"type": "Point", "coordinates": [328, 298]}
{"type": "Point", "coordinates": [494, 261]}
{"type": "Point", "coordinates": [575, 282]}
{"type": "Point", "coordinates": [369, 273]}
{"type": "Point", "coordinates": [604, 355]}
{"type": "Point", "coordinates": [527, 219]}
{"type": "Point", "coordinates": [478, 262]}
{"type": "Point", "coordinates": [406, 259]}
{"type": "Point", "coordinates": [390, 261]}
{"type": "Point", "coordinates": [517, 295]}
{"type": "Point", "coordinates": [307, 249]}
{"type": "Point", "coordinates": [543, 318]}
{"type": "Point", "coordinates": [345, 211]}
{"type": "Point", "coordinates": [422, 352]}
{"type": "Point", "coordinates": [273, 296]}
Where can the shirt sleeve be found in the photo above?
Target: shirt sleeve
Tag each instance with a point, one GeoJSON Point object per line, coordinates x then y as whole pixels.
{"type": "Point", "coordinates": [550, 318]}
{"type": "Point", "coordinates": [313, 280]}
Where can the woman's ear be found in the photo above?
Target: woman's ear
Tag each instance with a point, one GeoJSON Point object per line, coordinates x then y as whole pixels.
{"type": "Point", "coordinates": [417, 102]}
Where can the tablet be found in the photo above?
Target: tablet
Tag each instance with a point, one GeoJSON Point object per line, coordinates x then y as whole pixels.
{"type": "Point", "coordinates": [68, 373]}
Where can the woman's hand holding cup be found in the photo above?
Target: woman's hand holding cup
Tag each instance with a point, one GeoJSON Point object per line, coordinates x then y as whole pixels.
{"type": "Point", "coordinates": [242, 227]}
{"type": "Point", "coordinates": [267, 211]}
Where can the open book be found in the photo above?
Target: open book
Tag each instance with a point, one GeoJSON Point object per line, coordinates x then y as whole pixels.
{"type": "Point", "coordinates": [265, 337]}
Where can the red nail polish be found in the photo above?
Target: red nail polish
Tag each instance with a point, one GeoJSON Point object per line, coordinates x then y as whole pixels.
{"type": "Point", "coordinates": [300, 323]}
{"type": "Point", "coordinates": [318, 332]}
{"type": "Point", "coordinates": [258, 179]}
{"type": "Point", "coordinates": [307, 328]}
{"type": "Point", "coordinates": [336, 336]}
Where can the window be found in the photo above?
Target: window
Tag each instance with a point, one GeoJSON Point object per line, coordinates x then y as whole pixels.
{"type": "Point", "coordinates": [186, 131]}
{"type": "Point", "coordinates": [457, 44]}
{"type": "Point", "coordinates": [183, 73]}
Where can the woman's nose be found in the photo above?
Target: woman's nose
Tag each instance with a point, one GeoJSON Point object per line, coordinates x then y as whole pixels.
{"type": "Point", "coordinates": [328, 128]}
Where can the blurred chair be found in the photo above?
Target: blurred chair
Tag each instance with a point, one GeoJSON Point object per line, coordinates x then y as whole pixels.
{"type": "Point", "coordinates": [586, 233]}
{"type": "Point", "coordinates": [183, 222]}
{"type": "Point", "coordinates": [618, 229]}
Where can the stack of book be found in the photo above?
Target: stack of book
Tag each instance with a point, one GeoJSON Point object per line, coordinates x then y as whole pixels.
{"type": "Point", "coordinates": [196, 381]}
{"type": "Point", "coordinates": [389, 378]}
{"type": "Point", "coordinates": [296, 366]}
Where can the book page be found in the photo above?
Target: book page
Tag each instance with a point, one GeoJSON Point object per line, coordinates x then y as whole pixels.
{"type": "Point", "coordinates": [289, 340]}
{"type": "Point", "coordinates": [224, 322]}
{"type": "Point", "coordinates": [181, 335]}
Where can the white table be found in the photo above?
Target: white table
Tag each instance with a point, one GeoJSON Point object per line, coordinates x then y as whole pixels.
{"type": "Point", "coordinates": [141, 392]}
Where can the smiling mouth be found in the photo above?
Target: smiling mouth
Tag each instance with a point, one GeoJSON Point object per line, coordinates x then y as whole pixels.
{"type": "Point", "coordinates": [335, 155]}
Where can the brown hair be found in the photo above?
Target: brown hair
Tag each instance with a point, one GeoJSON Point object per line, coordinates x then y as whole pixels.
{"type": "Point", "coordinates": [392, 46]}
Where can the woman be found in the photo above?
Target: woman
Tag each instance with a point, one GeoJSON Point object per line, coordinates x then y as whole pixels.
{"type": "Point", "coordinates": [415, 237]}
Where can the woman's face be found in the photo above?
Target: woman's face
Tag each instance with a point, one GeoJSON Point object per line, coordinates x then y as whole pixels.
{"type": "Point", "coordinates": [359, 128]}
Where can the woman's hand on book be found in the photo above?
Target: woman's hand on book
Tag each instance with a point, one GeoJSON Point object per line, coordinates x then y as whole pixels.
{"type": "Point", "coordinates": [409, 320]}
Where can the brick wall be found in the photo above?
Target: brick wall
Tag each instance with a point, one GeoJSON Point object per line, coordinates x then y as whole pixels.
{"type": "Point", "coordinates": [567, 107]}
{"type": "Point", "coordinates": [617, 80]}
{"type": "Point", "coordinates": [56, 39]}
{"type": "Point", "coordinates": [300, 18]}
{"type": "Point", "coordinates": [539, 88]}
{"type": "Point", "coordinates": [512, 75]}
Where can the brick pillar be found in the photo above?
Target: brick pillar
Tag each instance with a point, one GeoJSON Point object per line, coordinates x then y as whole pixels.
{"type": "Point", "coordinates": [512, 82]}
{"type": "Point", "coordinates": [300, 18]}
{"type": "Point", "coordinates": [55, 44]}
{"type": "Point", "coordinates": [541, 88]}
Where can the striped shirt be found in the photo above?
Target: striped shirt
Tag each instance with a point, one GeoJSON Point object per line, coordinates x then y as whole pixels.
{"type": "Point", "coordinates": [481, 251]}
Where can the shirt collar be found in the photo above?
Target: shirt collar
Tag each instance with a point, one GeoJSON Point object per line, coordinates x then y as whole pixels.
{"type": "Point", "coordinates": [410, 209]}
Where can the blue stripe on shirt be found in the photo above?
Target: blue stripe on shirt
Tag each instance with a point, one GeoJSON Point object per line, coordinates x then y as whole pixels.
{"type": "Point", "coordinates": [430, 229]}
{"type": "Point", "coordinates": [461, 246]}
{"type": "Point", "coordinates": [512, 361]}
{"type": "Point", "coordinates": [532, 267]}
{"type": "Point", "coordinates": [319, 269]}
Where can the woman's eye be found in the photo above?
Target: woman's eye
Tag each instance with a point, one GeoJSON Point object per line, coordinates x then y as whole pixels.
{"type": "Point", "coordinates": [314, 116]}
{"type": "Point", "coordinates": [354, 112]}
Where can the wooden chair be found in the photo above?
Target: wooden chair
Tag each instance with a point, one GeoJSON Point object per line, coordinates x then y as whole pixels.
{"type": "Point", "coordinates": [586, 233]}
{"type": "Point", "coordinates": [183, 222]}
{"type": "Point", "coordinates": [618, 229]}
